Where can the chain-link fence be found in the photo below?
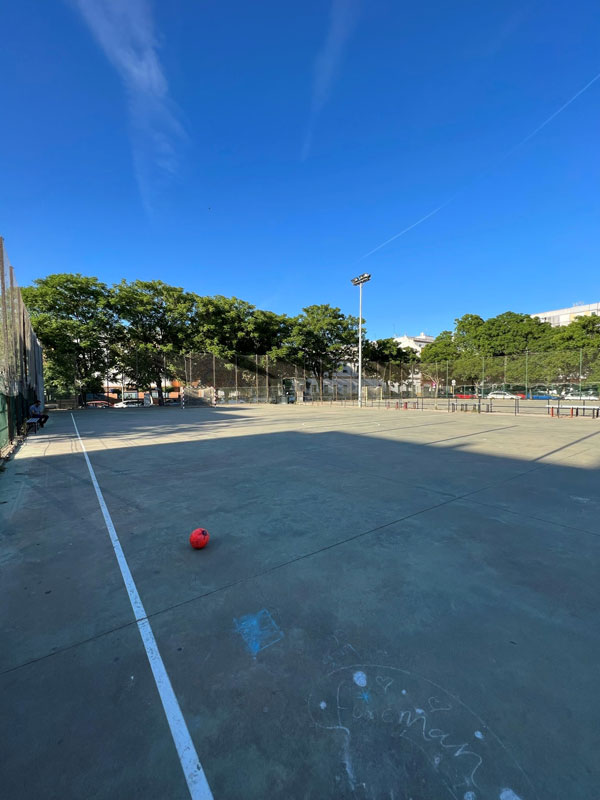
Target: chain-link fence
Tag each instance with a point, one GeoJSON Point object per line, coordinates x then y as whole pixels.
{"type": "Point", "coordinates": [543, 376]}
{"type": "Point", "coordinates": [207, 379]}
{"type": "Point", "coordinates": [203, 378]}
{"type": "Point", "coordinates": [522, 383]}
{"type": "Point", "coordinates": [21, 371]}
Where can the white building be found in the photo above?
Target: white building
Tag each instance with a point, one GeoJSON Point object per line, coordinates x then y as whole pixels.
{"type": "Point", "coordinates": [563, 316]}
{"type": "Point", "coordinates": [416, 342]}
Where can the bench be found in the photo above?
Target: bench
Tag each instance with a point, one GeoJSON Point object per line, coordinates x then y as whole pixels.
{"type": "Point", "coordinates": [33, 424]}
{"type": "Point", "coordinates": [573, 409]}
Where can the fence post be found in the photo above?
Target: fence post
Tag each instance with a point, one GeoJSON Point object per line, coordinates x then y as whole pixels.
{"type": "Point", "coordinates": [321, 380]}
{"type": "Point", "coordinates": [256, 369]}
{"type": "Point", "coordinates": [482, 377]}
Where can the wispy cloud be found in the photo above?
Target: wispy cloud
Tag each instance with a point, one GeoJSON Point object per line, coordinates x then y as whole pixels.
{"type": "Point", "coordinates": [487, 170]}
{"type": "Point", "coordinates": [342, 21]}
{"type": "Point", "coordinates": [124, 30]}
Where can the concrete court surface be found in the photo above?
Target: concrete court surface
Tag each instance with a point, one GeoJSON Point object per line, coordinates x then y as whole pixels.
{"type": "Point", "coordinates": [393, 605]}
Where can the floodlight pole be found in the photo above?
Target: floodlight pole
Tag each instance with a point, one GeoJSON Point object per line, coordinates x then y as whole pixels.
{"type": "Point", "coordinates": [358, 281]}
{"type": "Point", "coordinates": [360, 345]}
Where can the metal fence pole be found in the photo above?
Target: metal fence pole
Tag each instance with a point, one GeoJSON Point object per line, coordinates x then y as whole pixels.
{"type": "Point", "coordinates": [303, 377]}
{"type": "Point", "coordinates": [482, 375]}
{"type": "Point", "coordinates": [321, 380]}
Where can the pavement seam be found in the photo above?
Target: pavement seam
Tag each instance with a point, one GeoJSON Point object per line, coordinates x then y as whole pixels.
{"type": "Point", "coordinates": [221, 588]}
{"type": "Point", "coordinates": [537, 519]}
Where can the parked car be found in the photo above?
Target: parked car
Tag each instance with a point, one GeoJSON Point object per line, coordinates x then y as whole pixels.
{"type": "Point", "coordinates": [499, 395]}
{"type": "Point", "coordinates": [573, 396]}
{"type": "Point", "coordinates": [129, 404]}
{"type": "Point", "coordinates": [98, 404]}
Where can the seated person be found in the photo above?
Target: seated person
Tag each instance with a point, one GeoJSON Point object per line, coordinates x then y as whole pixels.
{"type": "Point", "coordinates": [36, 411]}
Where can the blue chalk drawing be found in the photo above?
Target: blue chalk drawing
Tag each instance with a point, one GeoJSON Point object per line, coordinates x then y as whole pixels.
{"type": "Point", "coordinates": [258, 631]}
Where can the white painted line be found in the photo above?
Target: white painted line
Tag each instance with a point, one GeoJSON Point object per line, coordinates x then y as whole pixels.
{"type": "Point", "coordinates": [188, 758]}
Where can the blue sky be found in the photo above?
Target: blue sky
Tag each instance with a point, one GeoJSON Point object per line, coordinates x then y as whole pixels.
{"type": "Point", "coordinates": [262, 149]}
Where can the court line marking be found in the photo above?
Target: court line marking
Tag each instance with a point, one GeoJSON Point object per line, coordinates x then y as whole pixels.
{"type": "Point", "coordinates": [188, 758]}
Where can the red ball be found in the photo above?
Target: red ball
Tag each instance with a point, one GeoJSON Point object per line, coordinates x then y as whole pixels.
{"type": "Point", "coordinates": [199, 538]}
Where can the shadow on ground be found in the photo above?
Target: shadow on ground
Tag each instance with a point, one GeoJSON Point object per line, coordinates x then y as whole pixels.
{"type": "Point", "coordinates": [425, 614]}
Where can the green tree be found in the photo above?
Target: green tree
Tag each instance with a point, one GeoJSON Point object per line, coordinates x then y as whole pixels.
{"type": "Point", "coordinates": [156, 323]}
{"type": "Point", "coordinates": [221, 325]}
{"type": "Point", "coordinates": [581, 332]}
{"type": "Point", "coordinates": [468, 331]}
{"type": "Point", "coordinates": [266, 332]}
{"type": "Point", "coordinates": [385, 359]}
{"type": "Point", "coordinates": [73, 319]}
{"type": "Point", "coordinates": [388, 351]}
{"type": "Point", "coordinates": [510, 333]}
{"type": "Point", "coordinates": [443, 348]}
{"type": "Point", "coordinates": [321, 338]}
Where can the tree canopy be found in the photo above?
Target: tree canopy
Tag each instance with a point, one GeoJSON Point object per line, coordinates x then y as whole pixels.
{"type": "Point", "coordinates": [321, 338]}
{"type": "Point", "coordinates": [515, 349]}
{"type": "Point", "coordinates": [505, 334]}
{"type": "Point", "coordinates": [154, 325]}
{"type": "Point", "coordinates": [73, 317]}
{"type": "Point", "coordinates": [142, 329]}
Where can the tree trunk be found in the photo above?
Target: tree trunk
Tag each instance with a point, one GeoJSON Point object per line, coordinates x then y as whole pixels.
{"type": "Point", "coordinates": [161, 399]}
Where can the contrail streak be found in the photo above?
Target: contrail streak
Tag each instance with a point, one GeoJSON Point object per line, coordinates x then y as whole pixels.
{"type": "Point", "coordinates": [487, 170]}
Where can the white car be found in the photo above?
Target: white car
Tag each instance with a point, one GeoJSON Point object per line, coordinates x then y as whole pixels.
{"type": "Point", "coordinates": [581, 397]}
{"type": "Point", "coordinates": [501, 396]}
{"type": "Point", "coordinates": [129, 404]}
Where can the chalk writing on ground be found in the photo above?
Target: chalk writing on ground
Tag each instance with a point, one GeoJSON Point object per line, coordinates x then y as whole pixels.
{"type": "Point", "coordinates": [258, 631]}
{"type": "Point", "coordinates": [403, 736]}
